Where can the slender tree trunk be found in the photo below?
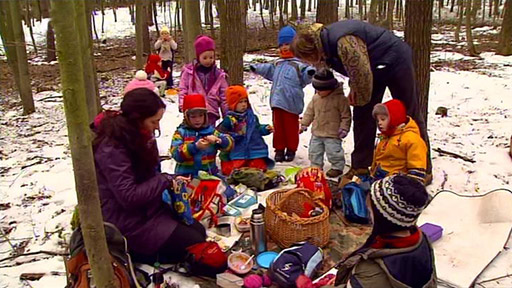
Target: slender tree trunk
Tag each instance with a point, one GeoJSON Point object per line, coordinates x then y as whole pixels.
{"type": "Point", "coordinates": [281, 15]}
{"type": "Point", "coordinates": [89, 71]}
{"type": "Point", "coordinates": [254, 2]}
{"type": "Point", "coordinates": [483, 11]}
{"type": "Point", "coordinates": [469, 35]}
{"type": "Point", "coordinates": [506, 30]}
{"type": "Point", "coordinates": [302, 9]}
{"type": "Point", "coordinates": [192, 26]}
{"type": "Point", "coordinates": [327, 11]}
{"type": "Point", "coordinates": [75, 107]}
{"type": "Point", "coordinates": [309, 5]}
{"type": "Point", "coordinates": [391, 6]}
{"type": "Point", "coordinates": [145, 28]}
{"type": "Point", "coordinates": [295, 13]}
{"type": "Point", "coordinates": [21, 61]}
{"type": "Point", "coordinates": [207, 19]}
{"type": "Point", "coordinates": [29, 16]}
{"type": "Point", "coordinates": [212, 28]}
{"type": "Point", "coordinates": [102, 17]}
{"type": "Point", "coordinates": [271, 13]}
{"type": "Point", "coordinates": [243, 10]}
{"type": "Point", "coordinates": [232, 54]}
{"type": "Point", "coordinates": [418, 26]}
{"type": "Point", "coordinates": [451, 6]}
{"type": "Point", "coordinates": [45, 8]}
{"type": "Point", "coordinates": [261, 15]}
{"type": "Point", "coordinates": [490, 8]}
{"type": "Point", "coordinates": [139, 33]}
{"type": "Point", "coordinates": [372, 15]}
{"type": "Point", "coordinates": [50, 43]}
{"type": "Point", "coordinates": [439, 8]}
{"type": "Point", "coordinates": [459, 21]}
{"type": "Point", "coordinates": [155, 18]}
{"type": "Point", "coordinates": [8, 40]}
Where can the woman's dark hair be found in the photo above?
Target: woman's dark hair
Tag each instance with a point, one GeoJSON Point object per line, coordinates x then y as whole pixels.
{"type": "Point", "coordinates": [125, 130]}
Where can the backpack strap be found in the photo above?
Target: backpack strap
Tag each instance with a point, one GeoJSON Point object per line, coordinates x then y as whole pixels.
{"type": "Point", "coordinates": [297, 69]}
{"type": "Point", "coordinates": [345, 267]}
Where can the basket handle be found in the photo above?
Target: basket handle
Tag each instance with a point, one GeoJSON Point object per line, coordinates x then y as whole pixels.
{"type": "Point", "coordinates": [293, 191]}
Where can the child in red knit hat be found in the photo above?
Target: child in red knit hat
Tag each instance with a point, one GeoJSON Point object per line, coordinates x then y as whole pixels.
{"type": "Point", "coordinates": [203, 77]}
{"type": "Point", "coordinates": [243, 125]}
{"type": "Point", "coordinates": [156, 73]}
{"type": "Point", "coordinates": [195, 143]}
{"type": "Point", "coordinates": [401, 148]}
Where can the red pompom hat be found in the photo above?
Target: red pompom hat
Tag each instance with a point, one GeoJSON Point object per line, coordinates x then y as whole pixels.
{"type": "Point", "coordinates": [396, 112]}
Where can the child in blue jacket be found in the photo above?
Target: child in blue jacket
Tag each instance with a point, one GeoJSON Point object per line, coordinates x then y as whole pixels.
{"type": "Point", "coordinates": [240, 123]}
{"type": "Point", "coordinates": [289, 76]}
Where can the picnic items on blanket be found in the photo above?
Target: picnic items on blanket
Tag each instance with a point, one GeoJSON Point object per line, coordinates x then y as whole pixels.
{"type": "Point", "coordinates": [313, 178]}
{"type": "Point", "coordinates": [256, 178]}
{"type": "Point", "coordinates": [237, 263]}
{"type": "Point", "coordinates": [300, 259]}
{"type": "Point", "coordinates": [257, 281]}
{"type": "Point", "coordinates": [258, 235]}
{"type": "Point", "coordinates": [208, 196]}
{"type": "Point", "coordinates": [178, 201]}
{"type": "Point", "coordinates": [354, 201]}
{"type": "Point", "coordinates": [265, 259]}
{"type": "Point", "coordinates": [433, 231]}
{"type": "Point", "coordinates": [290, 173]}
{"type": "Point", "coordinates": [284, 225]}
{"type": "Point", "coordinates": [242, 224]}
{"type": "Point", "coordinates": [229, 280]}
{"type": "Point", "coordinates": [206, 258]}
{"type": "Point", "coordinates": [223, 226]}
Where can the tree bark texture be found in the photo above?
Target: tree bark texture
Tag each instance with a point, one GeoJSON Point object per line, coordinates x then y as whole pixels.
{"type": "Point", "coordinates": [327, 11]}
{"type": "Point", "coordinates": [50, 43]}
{"type": "Point", "coordinates": [418, 25]}
{"type": "Point", "coordinates": [24, 88]}
{"type": "Point", "coordinates": [469, 34]}
{"type": "Point", "coordinates": [459, 21]}
{"type": "Point", "coordinates": [191, 26]}
{"type": "Point", "coordinates": [372, 15]}
{"type": "Point", "coordinates": [295, 13]}
{"type": "Point", "coordinates": [391, 6]}
{"type": "Point", "coordinates": [302, 9]}
{"type": "Point", "coordinates": [139, 34]}
{"type": "Point", "coordinates": [232, 54]}
{"type": "Point", "coordinates": [91, 220]}
{"type": "Point", "coordinates": [505, 45]}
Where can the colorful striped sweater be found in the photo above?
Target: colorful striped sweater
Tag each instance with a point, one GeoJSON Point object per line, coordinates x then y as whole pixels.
{"type": "Point", "coordinates": [189, 159]}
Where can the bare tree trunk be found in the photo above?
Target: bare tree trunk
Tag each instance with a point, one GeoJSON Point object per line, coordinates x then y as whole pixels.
{"type": "Point", "coordinates": [418, 25]}
{"type": "Point", "coordinates": [490, 8]}
{"type": "Point", "coordinates": [460, 4]}
{"type": "Point", "coordinates": [451, 6]}
{"type": "Point", "coordinates": [302, 9]}
{"type": "Point", "coordinates": [483, 11]}
{"type": "Point", "coordinates": [372, 15]}
{"type": "Point", "coordinates": [207, 19]}
{"type": "Point", "coordinates": [50, 43]}
{"type": "Point", "coordinates": [192, 26]}
{"type": "Point", "coordinates": [506, 30]}
{"type": "Point", "coordinates": [309, 5]}
{"type": "Point", "coordinates": [139, 33]}
{"type": "Point", "coordinates": [145, 28]}
{"type": "Point", "coordinates": [295, 13]}
{"type": "Point", "coordinates": [271, 13]}
{"type": "Point", "coordinates": [13, 33]}
{"type": "Point", "coordinates": [102, 17]}
{"type": "Point", "coordinates": [281, 19]}
{"type": "Point", "coordinates": [29, 24]}
{"type": "Point", "coordinates": [254, 2]}
{"type": "Point", "coordinates": [469, 35]}
{"type": "Point", "coordinates": [327, 12]}
{"type": "Point", "coordinates": [261, 15]}
{"type": "Point", "coordinates": [243, 10]}
{"type": "Point", "coordinates": [232, 54]}
{"type": "Point", "coordinates": [155, 18]}
{"type": "Point", "coordinates": [391, 6]}
{"type": "Point", "coordinates": [439, 8]}
{"type": "Point", "coordinates": [75, 106]}
{"type": "Point", "coordinates": [89, 71]}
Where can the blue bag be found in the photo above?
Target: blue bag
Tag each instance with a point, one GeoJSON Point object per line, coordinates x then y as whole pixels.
{"type": "Point", "coordinates": [354, 203]}
{"type": "Point", "coordinates": [301, 258]}
{"type": "Point", "coordinates": [178, 201]}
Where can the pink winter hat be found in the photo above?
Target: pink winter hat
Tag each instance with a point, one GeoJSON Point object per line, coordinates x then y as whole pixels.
{"type": "Point", "coordinates": [202, 44]}
{"type": "Point", "coordinates": [140, 81]}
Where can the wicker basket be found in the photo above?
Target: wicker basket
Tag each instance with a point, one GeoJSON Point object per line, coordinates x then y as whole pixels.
{"type": "Point", "coordinates": [285, 229]}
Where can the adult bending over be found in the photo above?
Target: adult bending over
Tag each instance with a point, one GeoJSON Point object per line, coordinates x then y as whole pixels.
{"type": "Point", "coordinates": [373, 58]}
{"type": "Point", "coordinates": [131, 185]}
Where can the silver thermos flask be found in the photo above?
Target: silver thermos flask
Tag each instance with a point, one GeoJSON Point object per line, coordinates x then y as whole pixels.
{"type": "Point", "coordinates": [258, 237]}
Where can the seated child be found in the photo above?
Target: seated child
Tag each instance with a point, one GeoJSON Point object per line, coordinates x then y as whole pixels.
{"type": "Point", "coordinates": [195, 143]}
{"type": "Point", "coordinates": [240, 122]}
{"type": "Point", "coordinates": [156, 73]}
{"type": "Point", "coordinates": [166, 47]}
{"type": "Point", "coordinates": [329, 111]}
{"type": "Point", "coordinates": [400, 147]}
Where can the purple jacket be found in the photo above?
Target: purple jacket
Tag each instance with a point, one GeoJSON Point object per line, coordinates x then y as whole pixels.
{"type": "Point", "coordinates": [137, 210]}
{"type": "Point", "coordinates": [215, 98]}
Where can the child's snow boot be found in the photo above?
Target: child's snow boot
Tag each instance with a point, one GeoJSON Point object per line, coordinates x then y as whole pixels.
{"type": "Point", "coordinates": [279, 157]}
{"type": "Point", "coordinates": [289, 156]}
{"type": "Point", "coordinates": [333, 173]}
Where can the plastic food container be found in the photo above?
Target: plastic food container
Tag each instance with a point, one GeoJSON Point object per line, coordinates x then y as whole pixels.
{"type": "Point", "coordinates": [237, 259]}
{"type": "Point", "coordinates": [433, 231]}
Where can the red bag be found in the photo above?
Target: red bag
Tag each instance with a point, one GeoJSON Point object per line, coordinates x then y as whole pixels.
{"type": "Point", "coordinates": [313, 178]}
{"type": "Point", "coordinates": [207, 259]}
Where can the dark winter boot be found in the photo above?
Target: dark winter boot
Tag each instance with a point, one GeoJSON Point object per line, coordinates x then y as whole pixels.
{"type": "Point", "coordinates": [279, 157]}
{"type": "Point", "coordinates": [290, 155]}
{"type": "Point", "coordinates": [333, 173]}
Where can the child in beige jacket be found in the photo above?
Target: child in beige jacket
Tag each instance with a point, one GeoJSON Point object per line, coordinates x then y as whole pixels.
{"type": "Point", "coordinates": [329, 111]}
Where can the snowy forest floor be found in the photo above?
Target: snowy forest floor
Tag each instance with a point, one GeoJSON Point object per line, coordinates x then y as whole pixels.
{"type": "Point", "coordinates": [37, 194]}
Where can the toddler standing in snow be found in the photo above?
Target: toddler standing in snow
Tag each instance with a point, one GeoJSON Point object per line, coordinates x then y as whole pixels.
{"type": "Point", "coordinates": [195, 143]}
{"type": "Point", "coordinates": [203, 77]}
{"type": "Point", "coordinates": [401, 148]}
{"type": "Point", "coordinates": [156, 73]}
{"type": "Point", "coordinates": [289, 76]}
{"type": "Point", "coordinates": [329, 111]}
{"type": "Point", "coordinates": [240, 122]}
{"type": "Point", "coordinates": [166, 46]}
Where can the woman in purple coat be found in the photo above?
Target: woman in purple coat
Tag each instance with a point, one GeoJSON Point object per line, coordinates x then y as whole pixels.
{"type": "Point", "coordinates": [131, 185]}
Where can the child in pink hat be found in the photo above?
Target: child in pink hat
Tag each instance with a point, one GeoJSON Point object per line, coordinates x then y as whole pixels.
{"type": "Point", "coordinates": [203, 77]}
{"type": "Point", "coordinates": [140, 81]}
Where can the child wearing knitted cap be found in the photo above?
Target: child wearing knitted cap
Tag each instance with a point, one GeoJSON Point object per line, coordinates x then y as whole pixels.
{"type": "Point", "coordinates": [289, 76]}
{"type": "Point", "coordinates": [166, 46]}
{"type": "Point", "coordinates": [156, 73]}
{"type": "Point", "coordinates": [329, 111]}
{"type": "Point", "coordinates": [243, 125]}
{"type": "Point", "coordinates": [203, 77]}
{"type": "Point", "coordinates": [401, 148]}
{"type": "Point", "coordinates": [195, 143]}
{"type": "Point", "coordinates": [397, 253]}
